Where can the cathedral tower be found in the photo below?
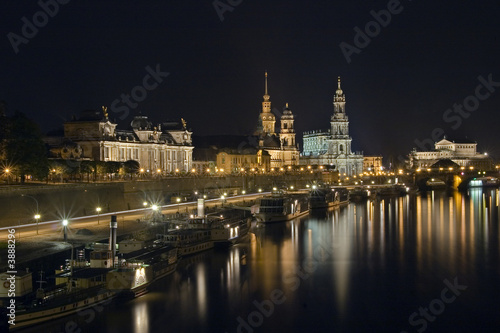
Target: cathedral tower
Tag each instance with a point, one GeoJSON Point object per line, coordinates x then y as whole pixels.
{"type": "Point", "coordinates": [287, 131]}
{"type": "Point", "coordinates": [267, 120]}
{"type": "Point", "coordinates": [287, 138]}
{"type": "Point", "coordinates": [340, 124]}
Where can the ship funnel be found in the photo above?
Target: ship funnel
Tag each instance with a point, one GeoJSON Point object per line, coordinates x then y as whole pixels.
{"type": "Point", "coordinates": [201, 207]}
{"type": "Point", "coordinates": [113, 225]}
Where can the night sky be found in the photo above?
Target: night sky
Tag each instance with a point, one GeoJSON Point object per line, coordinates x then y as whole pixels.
{"type": "Point", "coordinates": [398, 87]}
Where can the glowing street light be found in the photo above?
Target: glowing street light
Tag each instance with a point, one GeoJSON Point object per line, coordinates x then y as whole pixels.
{"type": "Point", "coordinates": [37, 218]}
{"type": "Point", "coordinates": [65, 226]}
{"type": "Point", "coordinates": [98, 210]}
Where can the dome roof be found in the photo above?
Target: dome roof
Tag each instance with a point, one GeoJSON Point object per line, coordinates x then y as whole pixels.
{"type": "Point", "coordinates": [141, 122]}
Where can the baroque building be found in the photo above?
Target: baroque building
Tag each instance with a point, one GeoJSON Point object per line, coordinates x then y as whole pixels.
{"type": "Point", "coordinates": [160, 148]}
{"type": "Point", "coordinates": [282, 146]}
{"type": "Point", "coordinates": [238, 160]}
{"type": "Point", "coordinates": [333, 147]}
{"type": "Point", "coordinates": [463, 153]}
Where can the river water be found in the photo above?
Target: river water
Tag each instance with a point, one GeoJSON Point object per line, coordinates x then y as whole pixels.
{"type": "Point", "coordinates": [423, 263]}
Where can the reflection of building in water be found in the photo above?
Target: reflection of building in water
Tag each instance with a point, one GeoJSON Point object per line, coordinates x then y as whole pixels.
{"type": "Point", "coordinates": [464, 153]}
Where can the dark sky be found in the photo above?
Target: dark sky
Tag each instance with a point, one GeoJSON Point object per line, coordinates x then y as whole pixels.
{"type": "Point", "coordinates": [398, 87]}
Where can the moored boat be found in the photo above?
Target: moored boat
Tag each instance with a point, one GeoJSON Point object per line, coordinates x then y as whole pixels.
{"type": "Point", "coordinates": [328, 197]}
{"type": "Point", "coordinates": [281, 206]}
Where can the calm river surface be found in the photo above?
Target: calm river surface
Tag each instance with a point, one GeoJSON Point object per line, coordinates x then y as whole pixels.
{"type": "Point", "coordinates": [411, 264]}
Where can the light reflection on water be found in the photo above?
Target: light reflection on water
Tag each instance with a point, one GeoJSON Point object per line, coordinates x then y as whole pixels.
{"type": "Point", "coordinates": [364, 267]}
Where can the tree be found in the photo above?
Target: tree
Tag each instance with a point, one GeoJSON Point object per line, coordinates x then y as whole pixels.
{"type": "Point", "coordinates": [25, 148]}
{"type": "Point", "coordinates": [4, 121]}
{"type": "Point", "coordinates": [131, 167]}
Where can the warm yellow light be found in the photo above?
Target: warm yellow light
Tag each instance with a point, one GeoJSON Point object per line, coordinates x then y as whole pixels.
{"type": "Point", "coordinates": [208, 170]}
{"type": "Point", "coordinates": [7, 170]}
{"type": "Point", "coordinates": [98, 209]}
{"type": "Point", "coordinates": [142, 170]}
{"type": "Point", "coordinates": [37, 216]}
{"type": "Point", "coordinates": [193, 170]}
{"type": "Point", "coordinates": [158, 171]}
{"type": "Point", "coordinates": [176, 170]}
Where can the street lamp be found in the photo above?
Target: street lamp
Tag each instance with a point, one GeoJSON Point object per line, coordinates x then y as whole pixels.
{"type": "Point", "coordinates": [154, 207]}
{"type": "Point", "coordinates": [37, 212]}
{"type": "Point", "coordinates": [65, 225]}
{"type": "Point", "coordinates": [178, 200]}
{"type": "Point", "coordinates": [37, 217]}
{"type": "Point", "coordinates": [98, 210]}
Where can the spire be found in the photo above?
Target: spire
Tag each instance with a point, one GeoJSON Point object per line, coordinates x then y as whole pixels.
{"type": "Point", "coordinates": [266, 95]}
{"type": "Point", "coordinates": [287, 105]}
{"type": "Point", "coordinates": [339, 83]}
{"type": "Point", "coordinates": [266, 83]}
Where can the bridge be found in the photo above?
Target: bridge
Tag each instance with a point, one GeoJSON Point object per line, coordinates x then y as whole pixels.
{"type": "Point", "coordinates": [426, 179]}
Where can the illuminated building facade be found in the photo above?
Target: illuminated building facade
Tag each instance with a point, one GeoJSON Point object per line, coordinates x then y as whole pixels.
{"type": "Point", "coordinates": [333, 147]}
{"type": "Point", "coordinates": [162, 148]}
{"type": "Point", "coordinates": [282, 146]}
{"type": "Point", "coordinates": [464, 154]}
{"type": "Point", "coordinates": [372, 164]}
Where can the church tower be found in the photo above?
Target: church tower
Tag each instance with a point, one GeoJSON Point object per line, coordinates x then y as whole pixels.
{"type": "Point", "coordinates": [267, 120]}
{"type": "Point", "coordinates": [287, 132]}
{"type": "Point", "coordinates": [287, 138]}
{"type": "Point", "coordinates": [340, 125]}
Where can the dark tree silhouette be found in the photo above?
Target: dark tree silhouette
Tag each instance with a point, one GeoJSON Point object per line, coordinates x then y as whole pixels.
{"type": "Point", "coordinates": [25, 148]}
